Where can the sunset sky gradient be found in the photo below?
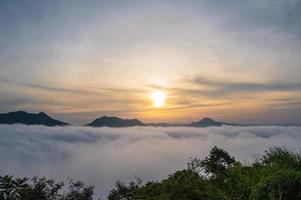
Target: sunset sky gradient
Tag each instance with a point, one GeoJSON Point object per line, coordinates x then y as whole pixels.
{"type": "Point", "coordinates": [76, 60]}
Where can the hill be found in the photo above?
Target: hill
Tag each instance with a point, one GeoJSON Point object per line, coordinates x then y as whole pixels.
{"type": "Point", "coordinates": [206, 122]}
{"type": "Point", "coordinates": [115, 122]}
{"type": "Point", "coordinates": [22, 117]}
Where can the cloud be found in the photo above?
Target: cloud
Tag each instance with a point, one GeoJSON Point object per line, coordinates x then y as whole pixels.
{"type": "Point", "coordinates": [226, 87]}
{"type": "Point", "coordinates": [213, 88]}
{"type": "Point", "coordinates": [101, 156]}
{"type": "Point", "coordinates": [132, 44]}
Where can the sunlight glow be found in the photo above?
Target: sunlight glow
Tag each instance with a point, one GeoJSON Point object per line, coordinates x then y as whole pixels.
{"type": "Point", "coordinates": [158, 98]}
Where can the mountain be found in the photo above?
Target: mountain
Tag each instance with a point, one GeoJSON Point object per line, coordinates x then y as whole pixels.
{"type": "Point", "coordinates": [115, 122]}
{"type": "Point", "coordinates": [206, 122]}
{"type": "Point", "coordinates": [22, 117]}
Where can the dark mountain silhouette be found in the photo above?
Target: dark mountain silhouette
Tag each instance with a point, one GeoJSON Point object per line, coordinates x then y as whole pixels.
{"type": "Point", "coordinates": [115, 122]}
{"type": "Point", "coordinates": [206, 122]}
{"type": "Point", "coordinates": [22, 117]}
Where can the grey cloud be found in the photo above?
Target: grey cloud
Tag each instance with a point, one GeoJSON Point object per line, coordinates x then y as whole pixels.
{"type": "Point", "coordinates": [293, 103]}
{"type": "Point", "coordinates": [45, 87]}
{"type": "Point", "coordinates": [221, 88]}
{"type": "Point", "coordinates": [252, 14]}
{"type": "Point", "coordinates": [54, 89]}
{"type": "Point", "coordinates": [100, 156]}
{"type": "Point", "coordinates": [247, 86]}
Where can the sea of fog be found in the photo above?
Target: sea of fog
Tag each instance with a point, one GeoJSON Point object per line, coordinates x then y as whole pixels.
{"type": "Point", "coordinates": [101, 156]}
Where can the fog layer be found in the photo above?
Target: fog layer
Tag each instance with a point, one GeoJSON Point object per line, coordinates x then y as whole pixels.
{"type": "Point", "coordinates": [101, 156]}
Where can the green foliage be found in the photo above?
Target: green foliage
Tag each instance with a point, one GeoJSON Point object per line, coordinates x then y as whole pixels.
{"type": "Point", "coordinates": [282, 185]}
{"type": "Point", "coordinates": [78, 191]}
{"type": "Point", "coordinates": [12, 189]}
{"type": "Point", "coordinates": [281, 157]}
{"type": "Point", "coordinates": [217, 163]}
{"type": "Point", "coordinates": [124, 192]}
{"type": "Point", "coordinates": [184, 185]}
{"type": "Point", "coordinates": [276, 175]}
{"type": "Point", "coordinates": [42, 189]}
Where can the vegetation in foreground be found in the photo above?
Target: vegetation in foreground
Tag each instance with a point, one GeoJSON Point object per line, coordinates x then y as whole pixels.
{"type": "Point", "coordinates": [275, 175]}
{"type": "Point", "coordinates": [43, 189]}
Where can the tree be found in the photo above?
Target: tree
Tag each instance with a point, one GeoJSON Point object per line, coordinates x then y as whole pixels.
{"type": "Point", "coordinates": [283, 185]}
{"type": "Point", "coordinates": [281, 157]}
{"type": "Point", "coordinates": [123, 191]}
{"type": "Point", "coordinates": [217, 163]}
{"type": "Point", "coordinates": [42, 189]}
{"type": "Point", "coordinates": [11, 189]}
{"type": "Point", "coordinates": [78, 191]}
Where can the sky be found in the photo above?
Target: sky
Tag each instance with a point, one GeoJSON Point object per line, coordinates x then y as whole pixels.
{"type": "Point", "coordinates": [236, 61]}
{"type": "Point", "coordinates": [102, 156]}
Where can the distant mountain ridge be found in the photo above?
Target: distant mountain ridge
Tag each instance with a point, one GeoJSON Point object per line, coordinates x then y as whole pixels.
{"type": "Point", "coordinates": [22, 117]}
{"type": "Point", "coordinates": [206, 122]}
{"type": "Point", "coordinates": [115, 122]}
{"type": "Point", "coordinates": [118, 122]}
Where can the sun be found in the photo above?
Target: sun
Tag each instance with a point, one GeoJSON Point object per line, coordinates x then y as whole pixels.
{"type": "Point", "coordinates": [158, 99]}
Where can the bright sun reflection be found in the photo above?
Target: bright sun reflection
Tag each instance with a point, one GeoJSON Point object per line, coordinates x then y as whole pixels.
{"type": "Point", "coordinates": [158, 98]}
